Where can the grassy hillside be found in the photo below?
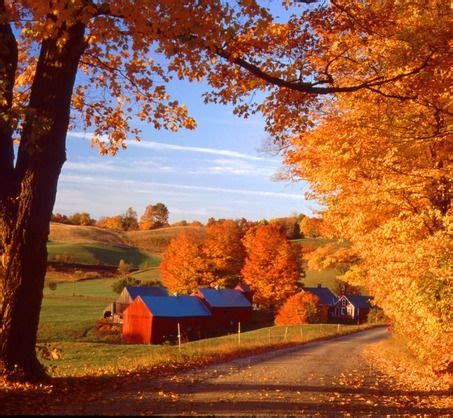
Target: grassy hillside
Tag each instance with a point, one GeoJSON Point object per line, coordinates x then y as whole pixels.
{"type": "Point", "coordinates": [157, 240]}
{"type": "Point", "coordinates": [96, 253]}
{"type": "Point", "coordinates": [84, 234]}
{"type": "Point", "coordinates": [314, 277]}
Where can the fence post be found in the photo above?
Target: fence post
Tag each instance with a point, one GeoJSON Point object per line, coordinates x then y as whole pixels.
{"type": "Point", "coordinates": [239, 333]}
{"type": "Point", "coordinates": [338, 327]}
{"type": "Point", "coordinates": [301, 332]}
{"type": "Point", "coordinates": [269, 335]}
{"type": "Point", "coordinates": [286, 333]}
{"type": "Point", "coordinates": [179, 337]}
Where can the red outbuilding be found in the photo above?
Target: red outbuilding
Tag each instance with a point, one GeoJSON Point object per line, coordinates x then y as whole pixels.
{"type": "Point", "coordinates": [155, 319]}
{"type": "Point", "coordinates": [228, 307]}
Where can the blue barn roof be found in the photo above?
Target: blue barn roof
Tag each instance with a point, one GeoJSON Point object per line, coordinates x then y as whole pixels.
{"type": "Point", "coordinates": [225, 298]}
{"type": "Point", "coordinates": [135, 291]}
{"type": "Point", "coordinates": [175, 306]}
{"type": "Point", "coordinates": [361, 302]}
{"type": "Point", "coordinates": [326, 297]}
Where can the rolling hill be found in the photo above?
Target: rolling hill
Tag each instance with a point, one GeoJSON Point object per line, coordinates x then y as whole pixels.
{"type": "Point", "coordinates": [75, 234]}
{"type": "Point", "coordinates": [157, 240]}
{"type": "Point", "coordinates": [143, 249]}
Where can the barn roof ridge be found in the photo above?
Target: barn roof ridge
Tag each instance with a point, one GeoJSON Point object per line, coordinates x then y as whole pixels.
{"type": "Point", "coordinates": [325, 295]}
{"type": "Point", "coordinates": [135, 291]}
{"type": "Point", "coordinates": [224, 298]}
{"type": "Point", "coordinates": [175, 306]}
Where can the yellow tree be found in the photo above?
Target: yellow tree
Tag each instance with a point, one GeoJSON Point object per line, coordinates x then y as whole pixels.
{"type": "Point", "coordinates": [380, 161]}
{"type": "Point", "coordinates": [270, 269]}
{"type": "Point", "coordinates": [376, 150]}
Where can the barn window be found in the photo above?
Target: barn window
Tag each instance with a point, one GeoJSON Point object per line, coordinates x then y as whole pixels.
{"type": "Point", "coordinates": [343, 302]}
{"type": "Point", "coordinates": [343, 311]}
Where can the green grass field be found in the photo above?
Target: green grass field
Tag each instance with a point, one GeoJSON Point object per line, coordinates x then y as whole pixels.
{"type": "Point", "coordinates": [94, 253]}
{"type": "Point", "coordinates": [70, 311]}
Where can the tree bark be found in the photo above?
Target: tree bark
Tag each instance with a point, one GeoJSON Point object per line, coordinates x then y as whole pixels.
{"type": "Point", "coordinates": [26, 222]}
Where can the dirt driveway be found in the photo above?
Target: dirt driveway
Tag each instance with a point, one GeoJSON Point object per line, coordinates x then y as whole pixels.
{"type": "Point", "coordinates": [325, 377]}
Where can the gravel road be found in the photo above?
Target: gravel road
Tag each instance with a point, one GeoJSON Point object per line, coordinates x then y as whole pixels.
{"type": "Point", "coordinates": [325, 377]}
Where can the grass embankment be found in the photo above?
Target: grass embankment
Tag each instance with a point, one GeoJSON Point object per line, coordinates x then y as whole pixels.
{"type": "Point", "coordinates": [88, 359]}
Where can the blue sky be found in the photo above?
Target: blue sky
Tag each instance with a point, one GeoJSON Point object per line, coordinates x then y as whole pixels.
{"type": "Point", "coordinates": [217, 170]}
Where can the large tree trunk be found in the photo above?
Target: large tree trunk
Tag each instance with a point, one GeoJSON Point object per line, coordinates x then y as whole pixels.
{"type": "Point", "coordinates": [27, 215]}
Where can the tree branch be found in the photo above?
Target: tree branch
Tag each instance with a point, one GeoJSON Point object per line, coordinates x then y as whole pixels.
{"type": "Point", "coordinates": [310, 88]}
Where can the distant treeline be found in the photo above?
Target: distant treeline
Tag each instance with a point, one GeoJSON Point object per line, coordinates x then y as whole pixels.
{"type": "Point", "coordinates": [156, 216]}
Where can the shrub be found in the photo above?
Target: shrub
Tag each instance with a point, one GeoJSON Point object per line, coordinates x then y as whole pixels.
{"type": "Point", "coordinates": [301, 308]}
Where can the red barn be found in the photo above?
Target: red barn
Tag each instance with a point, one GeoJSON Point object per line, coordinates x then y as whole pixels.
{"type": "Point", "coordinates": [246, 291]}
{"type": "Point", "coordinates": [128, 294]}
{"type": "Point", "coordinates": [155, 319]}
{"type": "Point", "coordinates": [228, 307]}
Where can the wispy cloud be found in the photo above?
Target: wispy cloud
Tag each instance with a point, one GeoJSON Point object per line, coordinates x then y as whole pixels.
{"type": "Point", "coordinates": [227, 166]}
{"type": "Point", "coordinates": [143, 186]}
{"type": "Point", "coordinates": [182, 148]}
{"type": "Point", "coordinates": [133, 167]}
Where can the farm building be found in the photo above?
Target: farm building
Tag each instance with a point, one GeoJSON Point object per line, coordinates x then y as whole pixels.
{"type": "Point", "coordinates": [228, 306]}
{"type": "Point", "coordinates": [246, 291]}
{"type": "Point", "coordinates": [352, 308]}
{"type": "Point", "coordinates": [128, 294]}
{"type": "Point", "coordinates": [155, 319]}
{"type": "Point", "coordinates": [327, 299]}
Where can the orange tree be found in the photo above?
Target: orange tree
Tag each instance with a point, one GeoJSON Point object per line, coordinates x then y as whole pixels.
{"type": "Point", "coordinates": [301, 308]}
{"type": "Point", "coordinates": [183, 267]}
{"type": "Point", "coordinates": [224, 252]}
{"type": "Point", "coordinates": [270, 269]}
{"type": "Point", "coordinates": [191, 261]}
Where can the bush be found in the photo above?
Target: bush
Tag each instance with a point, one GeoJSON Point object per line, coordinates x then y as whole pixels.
{"type": "Point", "coordinates": [52, 285]}
{"type": "Point", "coordinates": [301, 308]}
{"type": "Point", "coordinates": [119, 285]}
